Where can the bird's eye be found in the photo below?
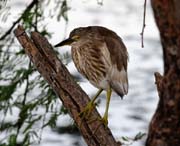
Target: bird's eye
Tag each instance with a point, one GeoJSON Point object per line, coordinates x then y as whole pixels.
{"type": "Point", "coordinates": [76, 37]}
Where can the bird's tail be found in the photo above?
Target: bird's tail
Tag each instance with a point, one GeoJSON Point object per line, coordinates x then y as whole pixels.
{"type": "Point", "coordinates": [119, 82]}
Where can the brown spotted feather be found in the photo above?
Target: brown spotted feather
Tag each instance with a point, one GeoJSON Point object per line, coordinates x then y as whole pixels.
{"type": "Point", "coordinates": [102, 58]}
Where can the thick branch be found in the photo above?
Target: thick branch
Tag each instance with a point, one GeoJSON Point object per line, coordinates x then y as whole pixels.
{"type": "Point", "coordinates": [164, 128]}
{"type": "Point", "coordinates": [72, 96]}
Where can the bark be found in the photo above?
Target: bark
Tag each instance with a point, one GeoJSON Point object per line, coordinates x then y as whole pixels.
{"type": "Point", "coordinates": [72, 96]}
{"type": "Point", "coordinates": [164, 128]}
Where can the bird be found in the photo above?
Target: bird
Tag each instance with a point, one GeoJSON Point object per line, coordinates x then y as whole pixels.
{"type": "Point", "coordinates": [100, 55]}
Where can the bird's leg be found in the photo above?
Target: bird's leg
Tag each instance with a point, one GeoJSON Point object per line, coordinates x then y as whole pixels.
{"type": "Point", "coordinates": [87, 110]}
{"type": "Point", "coordinates": [105, 117]}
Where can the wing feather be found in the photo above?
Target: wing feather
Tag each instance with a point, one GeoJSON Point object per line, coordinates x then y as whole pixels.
{"type": "Point", "coordinates": [118, 72]}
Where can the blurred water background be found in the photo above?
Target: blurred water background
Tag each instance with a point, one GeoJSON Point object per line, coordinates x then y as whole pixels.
{"type": "Point", "coordinates": [129, 116]}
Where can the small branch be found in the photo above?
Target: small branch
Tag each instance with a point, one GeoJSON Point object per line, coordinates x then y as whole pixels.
{"type": "Point", "coordinates": [27, 86]}
{"type": "Point", "coordinates": [72, 96]}
{"type": "Point", "coordinates": [18, 20]}
{"type": "Point", "coordinates": [159, 82]}
{"type": "Point", "coordinates": [36, 18]}
{"type": "Point", "coordinates": [144, 25]}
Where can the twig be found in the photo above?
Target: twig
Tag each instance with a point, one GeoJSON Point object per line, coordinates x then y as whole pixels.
{"type": "Point", "coordinates": [18, 20]}
{"type": "Point", "coordinates": [100, 2]}
{"type": "Point", "coordinates": [144, 25]}
{"type": "Point", "coordinates": [27, 86]}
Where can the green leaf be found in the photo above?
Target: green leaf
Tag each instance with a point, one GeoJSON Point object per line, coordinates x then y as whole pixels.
{"type": "Point", "coordinates": [52, 121]}
{"type": "Point", "coordinates": [7, 91]}
{"type": "Point", "coordinates": [31, 123]}
{"type": "Point", "coordinates": [5, 126]}
{"type": "Point", "coordinates": [12, 140]}
{"type": "Point", "coordinates": [139, 136]}
{"type": "Point", "coordinates": [63, 11]}
{"type": "Point", "coordinates": [125, 138]}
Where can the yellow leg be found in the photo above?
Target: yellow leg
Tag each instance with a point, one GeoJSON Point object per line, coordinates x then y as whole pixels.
{"type": "Point", "coordinates": [96, 96]}
{"type": "Point", "coordinates": [105, 117]}
{"type": "Point", "coordinates": [87, 110]}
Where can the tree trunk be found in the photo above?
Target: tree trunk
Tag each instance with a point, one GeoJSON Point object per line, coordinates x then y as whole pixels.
{"type": "Point", "coordinates": [164, 128]}
{"type": "Point", "coordinates": [72, 96]}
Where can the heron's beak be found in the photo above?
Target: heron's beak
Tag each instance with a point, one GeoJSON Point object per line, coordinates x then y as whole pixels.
{"type": "Point", "coordinates": [65, 42]}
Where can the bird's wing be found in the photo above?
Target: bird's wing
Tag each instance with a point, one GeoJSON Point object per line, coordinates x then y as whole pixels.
{"type": "Point", "coordinates": [118, 52]}
{"type": "Point", "coordinates": [118, 71]}
{"type": "Point", "coordinates": [116, 47]}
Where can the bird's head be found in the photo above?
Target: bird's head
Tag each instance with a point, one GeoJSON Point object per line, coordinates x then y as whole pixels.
{"type": "Point", "coordinates": [74, 37]}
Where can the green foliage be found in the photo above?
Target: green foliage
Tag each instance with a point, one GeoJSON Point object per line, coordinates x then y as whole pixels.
{"type": "Point", "coordinates": [12, 140]}
{"type": "Point", "coordinates": [27, 103]}
{"type": "Point", "coordinates": [127, 141]}
{"type": "Point", "coordinates": [63, 11]}
{"type": "Point", "coordinates": [139, 136]}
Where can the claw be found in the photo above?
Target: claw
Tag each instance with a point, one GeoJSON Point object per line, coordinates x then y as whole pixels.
{"type": "Point", "coordinates": [87, 110]}
{"type": "Point", "coordinates": [90, 106]}
{"type": "Point", "coordinates": [105, 121]}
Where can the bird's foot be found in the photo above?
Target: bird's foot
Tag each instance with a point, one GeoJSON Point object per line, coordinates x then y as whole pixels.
{"type": "Point", "coordinates": [105, 120]}
{"type": "Point", "coordinates": [87, 110]}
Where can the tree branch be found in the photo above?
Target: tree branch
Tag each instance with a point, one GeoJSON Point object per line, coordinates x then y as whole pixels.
{"type": "Point", "coordinates": [144, 25]}
{"type": "Point", "coordinates": [164, 129]}
{"type": "Point", "coordinates": [31, 5]}
{"type": "Point", "coordinates": [72, 96]}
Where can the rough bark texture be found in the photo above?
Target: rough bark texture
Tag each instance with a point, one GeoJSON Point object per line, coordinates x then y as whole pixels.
{"type": "Point", "coordinates": [70, 93]}
{"type": "Point", "coordinates": [164, 128]}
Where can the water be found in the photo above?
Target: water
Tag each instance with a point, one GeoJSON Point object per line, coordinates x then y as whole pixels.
{"type": "Point", "coordinates": [129, 116]}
